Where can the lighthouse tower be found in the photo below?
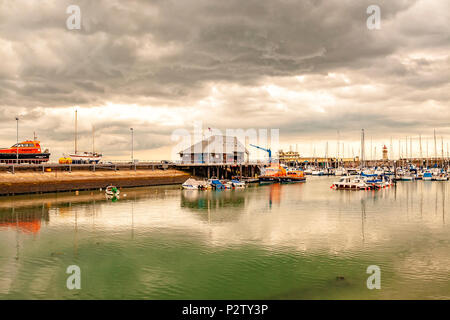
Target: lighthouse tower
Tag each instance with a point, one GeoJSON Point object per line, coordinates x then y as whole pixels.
{"type": "Point", "coordinates": [385, 153]}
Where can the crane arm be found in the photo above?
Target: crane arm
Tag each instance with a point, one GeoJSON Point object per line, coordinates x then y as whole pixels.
{"type": "Point", "coordinates": [266, 150]}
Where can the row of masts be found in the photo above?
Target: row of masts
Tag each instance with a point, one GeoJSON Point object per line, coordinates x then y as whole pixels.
{"type": "Point", "coordinates": [405, 149]}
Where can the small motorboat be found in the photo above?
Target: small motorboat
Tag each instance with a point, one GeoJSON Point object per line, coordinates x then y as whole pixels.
{"type": "Point", "coordinates": [217, 185]}
{"type": "Point", "coordinates": [192, 184]}
{"type": "Point", "coordinates": [407, 177]}
{"type": "Point", "coordinates": [441, 177]}
{"type": "Point", "coordinates": [112, 193]}
{"type": "Point", "coordinates": [352, 183]}
{"type": "Point", "coordinates": [427, 176]}
{"type": "Point", "coordinates": [340, 172]}
{"type": "Point", "coordinates": [317, 173]}
{"type": "Point", "coordinates": [235, 184]}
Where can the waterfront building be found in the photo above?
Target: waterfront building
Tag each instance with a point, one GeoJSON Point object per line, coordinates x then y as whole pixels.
{"type": "Point", "coordinates": [215, 149]}
{"type": "Point", "coordinates": [288, 156]}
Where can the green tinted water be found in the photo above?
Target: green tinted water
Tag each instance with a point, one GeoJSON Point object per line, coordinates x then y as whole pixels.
{"type": "Point", "coordinates": [297, 241]}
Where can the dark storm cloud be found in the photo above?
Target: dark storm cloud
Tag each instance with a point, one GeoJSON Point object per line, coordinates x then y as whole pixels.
{"type": "Point", "coordinates": [170, 53]}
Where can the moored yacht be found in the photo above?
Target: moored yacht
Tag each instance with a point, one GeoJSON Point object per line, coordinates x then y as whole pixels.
{"type": "Point", "coordinates": [351, 183]}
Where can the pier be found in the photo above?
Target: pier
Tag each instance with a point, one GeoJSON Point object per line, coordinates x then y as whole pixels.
{"type": "Point", "coordinates": [55, 177]}
{"type": "Point", "coordinates": [207, 170]}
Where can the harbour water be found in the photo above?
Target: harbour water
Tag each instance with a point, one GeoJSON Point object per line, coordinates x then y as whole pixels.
{"type": "Point", "coordinates": [292, 241]}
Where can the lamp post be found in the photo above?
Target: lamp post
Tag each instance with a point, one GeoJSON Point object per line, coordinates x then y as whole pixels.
{"type": "Point", "coordinates": [132, 144]}
{"type": "Point", "coordinates": [17, 138]}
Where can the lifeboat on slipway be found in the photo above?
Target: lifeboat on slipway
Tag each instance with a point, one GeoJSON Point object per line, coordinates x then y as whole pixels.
{"type": "Point", "coordinates": [25, 152]}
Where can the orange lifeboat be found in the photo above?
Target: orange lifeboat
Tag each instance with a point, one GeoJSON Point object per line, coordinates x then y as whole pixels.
{"type": "Point", "coordinates": [25, 152]}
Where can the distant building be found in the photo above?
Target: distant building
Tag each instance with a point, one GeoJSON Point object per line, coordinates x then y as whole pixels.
{"type": "Point", "coordinates": [288, 156]}
{"type": "Point", "coordinates": [215, 149]}
{"type": "Point", "coordinates": [385, 153]}
{"type": "Point", "coordinates": [322, 160]}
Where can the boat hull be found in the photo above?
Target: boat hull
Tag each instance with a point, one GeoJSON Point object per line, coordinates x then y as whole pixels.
{"type": "Point", "coordinates": [79, 159]}
{"type": "Point", "coordinates": [24, 157]}
{"type": "Point", "coordinates": [292, 179]}
{"type": "Point", "coordinates": [268, 179]}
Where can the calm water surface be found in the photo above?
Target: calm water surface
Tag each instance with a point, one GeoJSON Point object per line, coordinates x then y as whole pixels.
{"type": "Point", "coordinates": [264, 242]}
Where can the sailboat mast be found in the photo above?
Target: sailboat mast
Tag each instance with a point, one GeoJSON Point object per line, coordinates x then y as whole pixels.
{"type": "Point", "coordinates": [406, 147]}
{"type": "Point", "coordinates": [76, 130]}
{"type": "Point", "coordinates": [392, 150]}
{"type": "Point", "coordinates": [435, 146]}
{"type": "Point", "coordinates": [362, 149]}
{"type": "Point", "coordinates": [93, 140]}
{"type": "Point", "coordinates": [410, 148]}
{"type": "Point", "coordinates": [371, 148]}
{"type": "Point", "coordinates": [337, 149]}
{"type": "Point", "coordinates": [420, 143]}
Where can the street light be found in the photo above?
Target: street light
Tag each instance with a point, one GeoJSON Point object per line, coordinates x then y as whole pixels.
{"type": "Point", "coordinates": [17, 138]}
{"type": "Point", "coordinates": [132, 144]}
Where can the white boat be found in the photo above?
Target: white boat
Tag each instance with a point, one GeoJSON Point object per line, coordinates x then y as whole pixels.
{"type": "Point", "coordinates": [340, 172]}
{"type": "Point", "coordinates": [112, 191]}
{"type": "Point", "coordinates": [192, 184]}
{"type": "Point", "coordinates": [441, 177]}
{"type": "Point", "coordinates": [235, 184]}
{"type": "Point", "coordinates": [407, 177]}
{"type": "Point", "coordinates": [427, 176]}
{"type": "Point", "coordinates": [85, 157]}
{"type": "Point", "coordinates": [351, 183]}
{"type": "Point", "coordinates": [379, 181]}
{"type": "Point", "coordinates": [317, 173]}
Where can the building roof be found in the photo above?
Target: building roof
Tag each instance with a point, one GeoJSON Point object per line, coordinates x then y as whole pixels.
{"type": "Point", "coordinates": [217, 144]}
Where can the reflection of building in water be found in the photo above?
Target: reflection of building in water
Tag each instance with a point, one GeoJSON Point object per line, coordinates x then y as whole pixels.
{"type": "Point", "coordinates": [214, 198]}
{"type": "Point", "coordinates": [213, 201]}
{"type": "Point", "coordinates": [25, 219]}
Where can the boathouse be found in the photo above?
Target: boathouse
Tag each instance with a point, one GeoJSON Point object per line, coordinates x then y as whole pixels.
{"type": "Point", "coordinates": [215, 149]}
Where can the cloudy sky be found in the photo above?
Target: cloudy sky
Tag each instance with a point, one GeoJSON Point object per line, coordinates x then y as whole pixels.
{"type": "Point", "coordinates": [305, 67]}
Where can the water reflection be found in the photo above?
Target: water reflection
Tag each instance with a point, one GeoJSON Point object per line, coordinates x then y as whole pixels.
{"type": "Point", "coordinates": [24, 219]}
{"type": "Point", "coordinates": [289, 240]}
